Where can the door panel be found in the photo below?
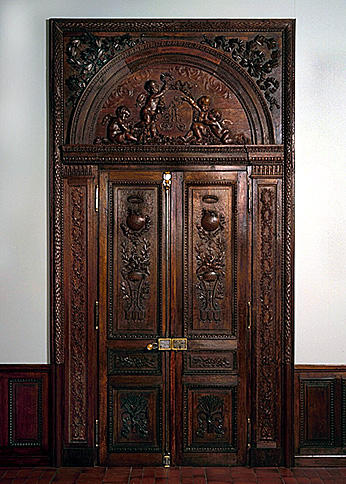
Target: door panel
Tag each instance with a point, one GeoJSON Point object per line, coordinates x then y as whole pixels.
{"type": "Point", "coordinates": [211, 376]}
{"type": "Point", "coordinates": [132, 379]}
{"type": "Point", "coordinates": [170, 262]}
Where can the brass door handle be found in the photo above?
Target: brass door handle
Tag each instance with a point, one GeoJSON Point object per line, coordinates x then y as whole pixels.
{"type": "Point", "coordinates": [152, 346]}
{"type": "Point", "coordinates": [167, 344]}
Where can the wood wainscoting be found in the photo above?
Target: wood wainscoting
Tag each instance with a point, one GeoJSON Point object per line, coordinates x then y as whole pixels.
{"type": "Point", "coordinates": [320, 415]}
{"type": "Point", "coordinates": [26, 420]}
{"type": "Point", "coordinates": [24, 415]}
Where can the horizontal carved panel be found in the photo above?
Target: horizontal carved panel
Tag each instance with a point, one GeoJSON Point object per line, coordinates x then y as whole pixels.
{"type": "Point", "coordinates": [210, 420]}
{"type": "Point", "coordinates": [134, 419]}
{"type": "Point", "coordinates": [210, 362]}
{"type": "Point", "coordinates": [139, 362]}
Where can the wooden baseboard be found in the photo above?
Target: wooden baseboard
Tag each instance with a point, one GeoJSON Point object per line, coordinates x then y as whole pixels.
{"type": "Point", "coordinates": [24, 415]}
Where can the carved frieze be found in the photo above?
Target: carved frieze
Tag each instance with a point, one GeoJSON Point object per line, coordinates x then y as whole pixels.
{"type": "Point", "coordinates": [133, 362]}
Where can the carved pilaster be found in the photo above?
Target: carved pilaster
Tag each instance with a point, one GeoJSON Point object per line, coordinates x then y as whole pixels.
{"type": "Point", "coordinates": [267, 310]}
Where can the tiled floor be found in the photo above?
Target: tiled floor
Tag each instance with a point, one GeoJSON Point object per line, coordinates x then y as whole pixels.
{"type": "Point", "coordinates": [182, 475]}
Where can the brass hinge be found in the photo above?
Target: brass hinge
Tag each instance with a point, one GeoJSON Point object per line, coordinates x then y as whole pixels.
{"type": "Point", "coordinates": [96, 198]}
{"type": "Point", "coordinates": [249, 433]}
{"type": "Point", "coordinates": [97, 436]}
{"type": "Point", "coordinates": [166, 460]}
{"type": "Point", "coordinates": [249, 315]}
{"type": "Point", "coordinates": [167, 180]}
{"type": "Point", "coordinates": [249, 195]}
{"type": "Point", "coordinates": [96, 315]}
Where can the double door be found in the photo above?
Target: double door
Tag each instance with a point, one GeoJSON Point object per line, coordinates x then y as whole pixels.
{"type": "Point", "coordinates": [174, 318]}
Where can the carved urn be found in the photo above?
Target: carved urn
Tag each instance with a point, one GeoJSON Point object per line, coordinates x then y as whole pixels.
{"type": "Point", "coordinates": [210, 220]}
{"type": "Point", "coordinates": [135, 221]}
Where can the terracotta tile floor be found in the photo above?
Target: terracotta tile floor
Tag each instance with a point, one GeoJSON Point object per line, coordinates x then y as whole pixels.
{"type": "Point", "coordinates": [178, 475]}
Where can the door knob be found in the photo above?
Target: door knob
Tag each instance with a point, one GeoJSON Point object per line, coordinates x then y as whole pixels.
{"type": "Point", "coordinates": [152, 346]}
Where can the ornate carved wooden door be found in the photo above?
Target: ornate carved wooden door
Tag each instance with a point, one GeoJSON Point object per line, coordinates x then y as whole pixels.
{"type": "Point", "coordinates": [185, 130]}
{"type": "Point", "coordinates": [174, 322]}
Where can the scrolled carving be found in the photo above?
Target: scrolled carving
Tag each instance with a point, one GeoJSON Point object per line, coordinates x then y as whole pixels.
{"type": "Point", "coordinates": [135, 256]}
{"type": "Point", "coordinates": [210, 258]}
{"type": "Point", "coordinates": [210, 416]}
{"type": "Point", "coordinates": [134, 415]}
{"type": "Point", "coordinates": [259, 56]}
{"type": "Point", "coordinates": [78, 345]}
{"type": "Point", "coordinates": [87, 53]}
{"type": "Point", "coordinates": [267, 376]}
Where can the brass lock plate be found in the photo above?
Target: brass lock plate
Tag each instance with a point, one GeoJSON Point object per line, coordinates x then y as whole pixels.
{"type": "Point", "coordinates": [165, 344]}
{"type": "Point", "coordinates": [179, 344]}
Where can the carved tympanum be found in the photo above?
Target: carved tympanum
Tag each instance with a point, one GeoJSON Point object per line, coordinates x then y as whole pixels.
{"type": "Point", "coordinates": [169, 106]}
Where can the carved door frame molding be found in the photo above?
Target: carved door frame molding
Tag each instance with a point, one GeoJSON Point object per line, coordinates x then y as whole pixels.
{"type": "Point", "coordinates": [73, 176]}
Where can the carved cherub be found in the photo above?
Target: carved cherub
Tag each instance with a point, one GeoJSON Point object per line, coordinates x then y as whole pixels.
{"type": "Point", "coordinates": [215, 123]}
{"type": "Point", "coordinates": [199, 126]}
{"type": "Point", "coordinates": [153, 105]}
{"type": "Point", "coordinates": [119, 129]}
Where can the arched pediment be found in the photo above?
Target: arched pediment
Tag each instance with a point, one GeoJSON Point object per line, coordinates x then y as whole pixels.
{"type": "Point", "coordinates": [186, 75]}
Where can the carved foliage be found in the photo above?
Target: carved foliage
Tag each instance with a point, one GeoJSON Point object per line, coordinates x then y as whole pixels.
{"type": "Point", "coordinates": [209, 362]}
{"type": "Point", "coordinates": [210, 415]}
{"type": "Point", "coordinates": [259, 56]}
{"type": "Point", "coordinates": [211, 248]}
{"type": "Point", "coordinates": [134, 415]}
{"type": "Point", "coordinates": [135, 419]}
{"type": "Point", "coordinates": [132, 362]}
{"type": "Point", "coordinates": [135, 256]}
{"type": "Point", "coordinates": [87, 53]}
{"type": "Point", "coordinates": [78, 316]}
{"type": "Point", "coordinates": [210, 263]}
{"type": "Point", "coordinates": [267, 373]}
{"type": "Point", "coordinates": [210, 419]}
{"type": "Point", "coordinates": [134, 264]}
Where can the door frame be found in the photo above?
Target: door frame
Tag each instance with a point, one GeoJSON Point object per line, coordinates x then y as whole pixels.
{"type": "Point", "coordinates": [74, 170]}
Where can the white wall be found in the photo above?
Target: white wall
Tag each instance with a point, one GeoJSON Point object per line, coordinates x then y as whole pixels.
{"type": "Point", "coordinates": [320, 195]}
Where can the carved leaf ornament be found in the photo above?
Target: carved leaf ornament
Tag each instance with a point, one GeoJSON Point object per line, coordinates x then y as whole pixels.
{"type": "Point", "coordinates": [259, 56]}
